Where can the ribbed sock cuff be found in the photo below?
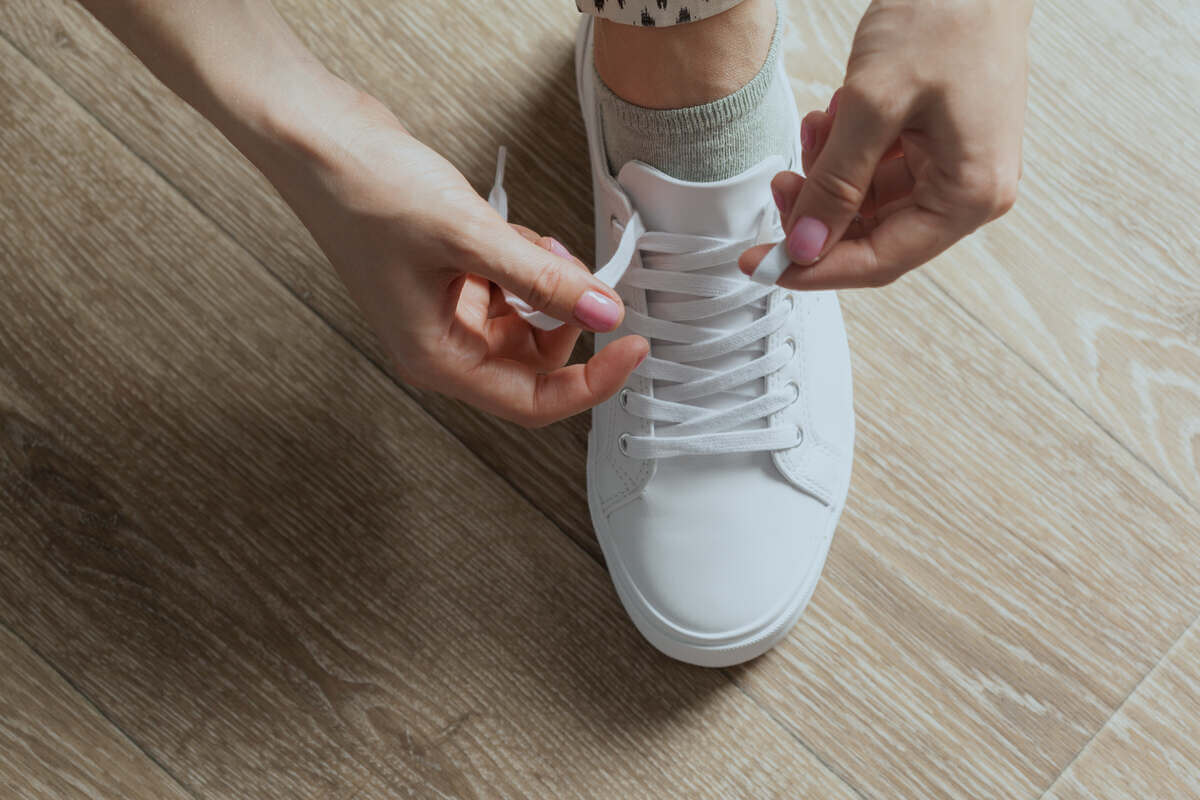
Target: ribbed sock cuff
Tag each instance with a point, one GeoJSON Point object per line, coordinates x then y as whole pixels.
{"type": "Point", "coordinates": [707, 142]}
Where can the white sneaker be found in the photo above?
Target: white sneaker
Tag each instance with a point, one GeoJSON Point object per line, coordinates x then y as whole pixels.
{"type": "Point", "coordinates": [717, 475]}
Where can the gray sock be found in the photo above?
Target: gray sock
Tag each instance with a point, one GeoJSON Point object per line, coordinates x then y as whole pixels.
{"type": "Point", "coordinates": [708, 142]}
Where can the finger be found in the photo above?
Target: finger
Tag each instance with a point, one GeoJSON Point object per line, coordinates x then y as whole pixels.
{"type": "Point", "coordinates": [473, 302]}
{"type": "Point", "coordinates": [548, 280]}
{"type": "Point", "coordinates": [785, 188]}
{"type": "Point", "coordinates": [518, 392]}
{"type": "Point", "coordinates": [527, 234]}
{"type": "Point", "coordinates": [901, 242]}
{"type": "Point", "coordinates": [893, 182]}
{"type": "Point", "coordinates": [513, 338]}
{"type": "Point", "coordinates": [814, 132]}
{"type": "Point", "coordinates": [891, 189]}
{"type": "Point", "coordinates": [837, 184]}
{"type": "Point", "coordinates": [497, 303]}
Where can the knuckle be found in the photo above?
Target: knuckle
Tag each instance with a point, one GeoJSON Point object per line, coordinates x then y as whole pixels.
{"type": "Point", "coordinates": [841, 192]}
{"type": "Point", "coordinates": [989, 192]}
{"type": "Point", "coordinates": [404, 371]}
{"type": "Point", "coordinates": [545, 285]}
{"type": "Point", "coordinates": [873, 95]}
{"type": "Point", "coordinates": [538, 421]}
{"type": "Point", "coordinates": [537, 415]}
{"type": "Point", "coordinates": [417, 365]}
{"type": "Point", "coordinates": [877, 280]}
{"type": "Point", "coordinates": [1005, 198]}
{"type": "Point", "coordinates": [528, 419]}
{"type": "Point", "coordinates": [464, 239]}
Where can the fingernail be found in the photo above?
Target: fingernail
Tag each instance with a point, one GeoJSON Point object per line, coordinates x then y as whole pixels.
{"type": "Point", "coordinates": [807, 238]}
{"type": "Point", "coordinates": [596, 312]}
{"type": "Point", "coordinates": [778, 201]}
{"type": "Point", "coordinates": [558, 249]}
{"type": "Point", "coordinates": [833, 103]}
{"type": "Point", "coordinates": [640, 360]}
{"type": "Point", "coordinates": [806, 136]}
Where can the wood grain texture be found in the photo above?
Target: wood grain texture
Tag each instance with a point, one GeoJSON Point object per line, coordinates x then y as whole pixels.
{"type": "Point", "coordinates": [1003, 576]}
{"type": "Point", "coordinates": [1151, 748]}
{"type": "Point", "coordinates": [55, 746]}
{"type": "Point", "coordinates": [410, 55]}
{"type": "Point", "coordinates": [264, 562]}
{"type": "Point", "coordinates": [1007, 570]}
{"type": "Point", "coordinates": [1094, 277]}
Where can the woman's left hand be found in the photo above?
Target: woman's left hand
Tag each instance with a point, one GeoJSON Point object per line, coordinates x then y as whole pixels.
{"type": "Point", "coordinates": [920, 146]}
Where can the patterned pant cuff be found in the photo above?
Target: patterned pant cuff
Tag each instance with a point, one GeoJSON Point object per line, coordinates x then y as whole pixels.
{"type": "Point", "coordinates": [654, 13]}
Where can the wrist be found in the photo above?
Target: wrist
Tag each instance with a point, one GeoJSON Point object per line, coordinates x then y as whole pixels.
{"type": "Point", "coordinates": [290, 120]}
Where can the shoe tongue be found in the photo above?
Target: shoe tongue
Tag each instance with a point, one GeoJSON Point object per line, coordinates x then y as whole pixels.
{"type": "Point", "coordinates": [730, 209]}
{"type": "Point", "coordinates": [723, 208]}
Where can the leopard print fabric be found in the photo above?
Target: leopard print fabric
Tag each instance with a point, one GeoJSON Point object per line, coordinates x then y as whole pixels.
{"type": "Point", "coordinates": [654, 13]}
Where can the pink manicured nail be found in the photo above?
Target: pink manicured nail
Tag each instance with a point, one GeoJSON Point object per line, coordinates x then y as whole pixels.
{"type": "Point", "coordinates": [806, 136]}
{"type": "Point", "coordinates": [558, 249]}
{"type": "Point", "coordinates": [807, 238]}
{"type": "Point", "coordinates": [778, 201]}
{"type": "Point", "coordinates": [833, 103]}
{"type": "Point", "coordinates": [596, 312]}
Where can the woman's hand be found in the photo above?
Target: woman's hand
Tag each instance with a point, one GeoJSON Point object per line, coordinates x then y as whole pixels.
{"type": "Point", "coordinates": [420, 252]}
{"type": "Point", "coordinates": [425, 258]}
{"type": "Point", "coordinates": [920, 146]}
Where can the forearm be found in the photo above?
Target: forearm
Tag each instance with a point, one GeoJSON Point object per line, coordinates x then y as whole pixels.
{"type": "Point", "coordinates": [240, 65]}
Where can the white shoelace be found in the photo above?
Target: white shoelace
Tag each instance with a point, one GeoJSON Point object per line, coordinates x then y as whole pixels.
{"type": "Point", "coordinates": [678, 340]}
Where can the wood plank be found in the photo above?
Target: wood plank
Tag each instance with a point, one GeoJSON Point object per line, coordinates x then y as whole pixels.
{"type": "Point", "coordinates": [1150, 750]}
{"type": "Point", "coordinates": [1093, 277]}
{"type": "Point", "coordinates": [407, 54]}
{"type": "Point", "coordinates": [54, 744]}
{"type": "Point", "coordinates": [260, 558]}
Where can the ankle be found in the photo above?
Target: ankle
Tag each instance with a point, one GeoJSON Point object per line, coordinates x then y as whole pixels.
{"type": "Point", "coordinates": [685, 65]}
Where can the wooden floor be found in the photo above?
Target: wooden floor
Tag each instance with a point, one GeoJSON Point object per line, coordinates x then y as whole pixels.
{"type": "Point", "coordinates": [238, 560]}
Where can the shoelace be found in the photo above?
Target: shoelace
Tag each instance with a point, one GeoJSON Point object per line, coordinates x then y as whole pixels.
{"type": "Point", "coordinates": [678, 340]}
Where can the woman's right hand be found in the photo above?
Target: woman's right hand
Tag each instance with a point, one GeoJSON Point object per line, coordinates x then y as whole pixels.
{"type": "Point", "coordinates": [425, 258]}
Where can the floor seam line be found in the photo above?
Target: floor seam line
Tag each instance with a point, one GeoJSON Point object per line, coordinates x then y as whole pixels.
{"type": "Point", "coordinates": [1195, 623]}
{"type": "Point", "coordinates": [795, 736]}
{"type": "Point", "coordinates": [90, 703]}
{"type": "Point", "coordinates": [954, 301]}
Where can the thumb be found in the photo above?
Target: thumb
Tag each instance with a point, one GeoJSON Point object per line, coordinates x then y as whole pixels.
{"type": "Point", "coordinates": [840, 178]}
{"type": "Point", "coordinates": [551, 281]}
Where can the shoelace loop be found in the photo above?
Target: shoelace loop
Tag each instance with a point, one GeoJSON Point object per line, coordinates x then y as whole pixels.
{"type": "Point", "coordinates": [678, 340]}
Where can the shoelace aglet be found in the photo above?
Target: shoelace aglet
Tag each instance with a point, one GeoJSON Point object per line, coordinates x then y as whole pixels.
{"type": "Point", "coordinates": [497, 197]}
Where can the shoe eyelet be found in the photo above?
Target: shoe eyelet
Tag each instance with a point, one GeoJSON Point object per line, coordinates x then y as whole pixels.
{"type": "Point", "coordinates": [623, 398]}
{"type": "Point", "coordinates": [795, 387]}
{"type": "Point", "coordinates": [790, 299]}
{"type": "Point", "coordinates": [623, 443]}
{"type": "Point", "coordinates": [799, 436]}
{"type": "Point", "coordinates": [791, 344]}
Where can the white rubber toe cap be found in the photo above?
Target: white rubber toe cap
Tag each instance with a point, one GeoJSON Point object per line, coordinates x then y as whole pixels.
{"type": "Point", "coordinates": [716, 560]}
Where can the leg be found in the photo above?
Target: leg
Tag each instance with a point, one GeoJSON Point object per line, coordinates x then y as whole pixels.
{"type": "Point", "coordinates": [700, 101]}
{"type": "Point", "coordinates": [717, 473]}
{"type": "Point", "coordinates": [685, 65]}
